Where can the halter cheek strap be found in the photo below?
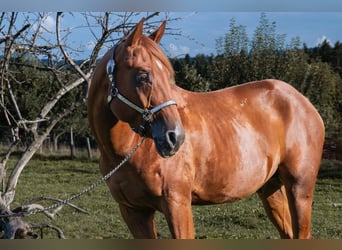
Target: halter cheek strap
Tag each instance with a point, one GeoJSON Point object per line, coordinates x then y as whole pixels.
{"type": "Point", "coordinates": [115, 93]}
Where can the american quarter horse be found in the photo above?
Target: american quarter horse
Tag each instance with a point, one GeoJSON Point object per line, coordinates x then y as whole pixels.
{"type": "Point", "coordinates": [200, 148]}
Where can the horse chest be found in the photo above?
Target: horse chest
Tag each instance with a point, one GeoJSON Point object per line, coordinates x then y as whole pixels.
{"type": "Point", "coordinates": [136, 188]}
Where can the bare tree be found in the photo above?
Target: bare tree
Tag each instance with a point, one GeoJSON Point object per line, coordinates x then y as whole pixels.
{"type": "Point", "coordinates": [45, 35]}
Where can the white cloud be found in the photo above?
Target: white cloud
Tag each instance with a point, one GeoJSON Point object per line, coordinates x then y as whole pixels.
{"type": "Point", "coordinates": [320, 40]}
{"type": "Point", "coordinates": [175, 50]}
{"type": "Point", "coordinates": [48, 24]}
{"type": "Point", "coordinates": [184, 49]}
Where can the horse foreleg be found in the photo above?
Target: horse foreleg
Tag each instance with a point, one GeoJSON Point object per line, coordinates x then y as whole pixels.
{"type": "Point", "coordinates": [179, 218]}
{"type": "Point", "coordinates": [274, 199]}
{"type": "Point", "coordinates": [140, 222]}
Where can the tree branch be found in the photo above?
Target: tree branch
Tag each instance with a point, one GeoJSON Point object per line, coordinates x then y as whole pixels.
{"type": "Point", "coordinates": [32, 205]}
{"type": "Point", "coordinates": [66, 56]}
{"type": "Point", "coordinates": [41, 226]}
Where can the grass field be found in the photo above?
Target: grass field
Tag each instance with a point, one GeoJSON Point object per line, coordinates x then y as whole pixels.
{"type": "Point", "coordinates": [246, 219]}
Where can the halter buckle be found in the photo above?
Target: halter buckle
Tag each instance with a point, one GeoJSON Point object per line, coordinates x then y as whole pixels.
{"type": "Point", "coordinates": [147, 115]}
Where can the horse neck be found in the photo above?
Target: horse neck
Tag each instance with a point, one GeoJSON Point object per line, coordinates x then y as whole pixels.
{"type": "Point", "coordinates": [182, 96]}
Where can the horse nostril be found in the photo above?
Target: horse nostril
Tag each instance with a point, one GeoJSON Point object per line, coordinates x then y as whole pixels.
{"type": "Point", "coordinates": [171, 138]}
{"type": "Point", "coordinates": [167, 141]}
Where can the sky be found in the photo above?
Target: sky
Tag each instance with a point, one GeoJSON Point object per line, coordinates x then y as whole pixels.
{"type": "Point", "coordinates": [206, 27]}
{"type": "Point", "coordinates": [200, 30]}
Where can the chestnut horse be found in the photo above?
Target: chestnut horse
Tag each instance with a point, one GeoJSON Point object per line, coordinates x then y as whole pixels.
{"type": "Point", "coordinates": [200, 148]}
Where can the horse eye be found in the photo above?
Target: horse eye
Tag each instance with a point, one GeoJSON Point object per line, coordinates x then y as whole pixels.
{"type": "Point", "coordinates": [142, 78]}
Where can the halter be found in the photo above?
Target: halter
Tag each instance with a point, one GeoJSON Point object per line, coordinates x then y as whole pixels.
{"type": "Point", "coordinates": [115, 93]}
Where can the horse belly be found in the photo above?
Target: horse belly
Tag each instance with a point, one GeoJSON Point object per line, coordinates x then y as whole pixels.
{"type": "Point", "coordinates": [236, 173]}
{"type": "Point", "coordinates": [229, 187]}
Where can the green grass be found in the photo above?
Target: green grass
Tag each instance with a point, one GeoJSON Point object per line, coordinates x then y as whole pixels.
{"type": "Point", "coordinates": [244, 219]}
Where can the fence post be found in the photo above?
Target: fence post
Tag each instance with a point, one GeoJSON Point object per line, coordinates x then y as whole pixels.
{"type": "Point", "coordinates": [72, 146]}
{"type": "Point", "coordinates": [89, 149]}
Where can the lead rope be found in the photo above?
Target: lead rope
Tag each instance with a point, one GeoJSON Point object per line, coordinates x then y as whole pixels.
{"type": "Point", "coordinates": [86, 190]}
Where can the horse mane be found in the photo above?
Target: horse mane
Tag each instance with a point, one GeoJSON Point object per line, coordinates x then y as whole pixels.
{"type": "Point", "coordinates": [157, 52]}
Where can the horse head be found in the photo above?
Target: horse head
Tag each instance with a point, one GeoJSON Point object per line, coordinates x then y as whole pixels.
{"type": "Point", "coordinates": [141, 89]}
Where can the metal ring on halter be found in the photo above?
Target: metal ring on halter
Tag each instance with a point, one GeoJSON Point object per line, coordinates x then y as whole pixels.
{"type": "Point", "coordinates": [114, 91]}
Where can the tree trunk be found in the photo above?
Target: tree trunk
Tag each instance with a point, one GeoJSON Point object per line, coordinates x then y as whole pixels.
{"type": "Point", "coordinates": [55, 140]}
{"type": "Point", "coordinates": [13, 227]}
{"type": "Point", "coordinates": [9, 194]}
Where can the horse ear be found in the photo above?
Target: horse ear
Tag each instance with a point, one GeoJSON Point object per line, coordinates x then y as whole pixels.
{"type": "Point", "coordinates": [137, 32]}
{"type": "Point", "coordinates": [158, 34]}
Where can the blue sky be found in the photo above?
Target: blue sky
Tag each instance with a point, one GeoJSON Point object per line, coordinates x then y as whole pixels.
{"type": "Point", "coordinates": [311, 20]}
{"type": "Point", "coordinates": [206, 27]}
{"type": "Point", "coordinates": [200, 30]}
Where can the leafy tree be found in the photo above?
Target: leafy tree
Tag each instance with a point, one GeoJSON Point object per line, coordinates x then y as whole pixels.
{"type": "Point", "coordinates": [323, 86]}
{"type": "Point", "coordinates": [218, 72]}
{"type": "Point", "coordinates": [232, 63]}
{"type": "Point", "coordinates": [326, 53]}
{"type": "Point", "coordinates": [188, 76]}
{"type": "Point", "coordinates": [266, 45]}
{"type": "Point", "coordinates": [292, 66]}
{"type": "Point", "coordinates": [337, 57]}
{"type": "Point", "coordinates": [234, 41]}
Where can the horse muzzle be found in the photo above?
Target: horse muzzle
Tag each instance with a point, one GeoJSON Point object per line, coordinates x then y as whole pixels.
{"type": "Point", "coordinates": [167, 141]}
